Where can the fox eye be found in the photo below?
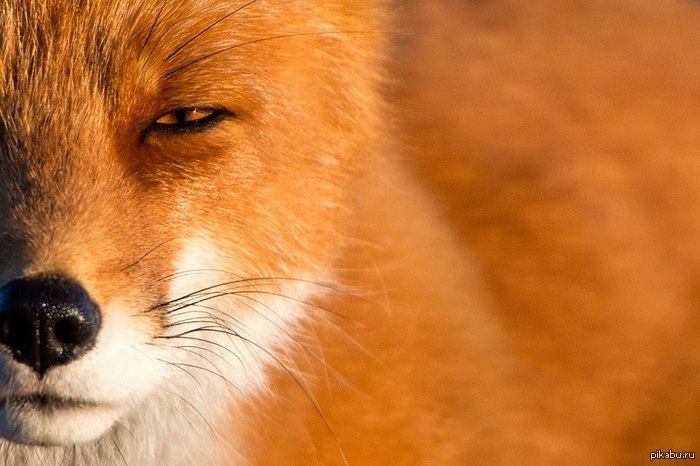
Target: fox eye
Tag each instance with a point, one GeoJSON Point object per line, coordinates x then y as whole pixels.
{"type": "Point", "coordinates": [187, 119]}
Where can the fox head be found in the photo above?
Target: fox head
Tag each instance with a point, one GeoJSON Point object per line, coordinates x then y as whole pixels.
{"type": "Point", "coordinates": [174, 177]}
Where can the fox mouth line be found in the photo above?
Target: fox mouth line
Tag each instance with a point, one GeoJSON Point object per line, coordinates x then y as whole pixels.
{"type": "Point", "coordinates": [45, 402]}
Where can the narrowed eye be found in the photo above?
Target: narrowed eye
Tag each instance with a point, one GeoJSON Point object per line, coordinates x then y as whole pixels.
{"type": "Point", "coordinates": [188, 119]}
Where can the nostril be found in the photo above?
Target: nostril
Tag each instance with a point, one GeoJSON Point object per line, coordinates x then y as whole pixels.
{"type": "Point", "coordinates": [73, 330]}
{"type": "Point", "coordinates": [16, 330]}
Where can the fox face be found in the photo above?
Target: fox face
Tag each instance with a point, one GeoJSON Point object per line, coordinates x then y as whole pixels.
{"type": "Point", "coordinates": [174, 179]}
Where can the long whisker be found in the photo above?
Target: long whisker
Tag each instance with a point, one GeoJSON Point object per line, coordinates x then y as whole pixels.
{"type": "Point", "coordinates": [205, 294]}
{"type": "Point", "coordinates": [219, 317]}
{"type": "Point", "coordinates": [198, 292]}
{"type": "Point", "coordinates": [308, 395]}
{"type": "Point", "coordinates": [192, 350]}
{"type": "Point", "coordinates": [254, 280]}
{"type": "Point", "coordinates": [149, 252]}
{"type": "Point", "coordinates": [263, 39]}
{"type": "Point", "coordinates": [153, 26]}
{"type": "Point", "coordinates": [174, 52]}
{"type": "Point", "coordinates": [203, 340]}
{"type": "Point", "coordinates": [243, 292]}
{"type": "Point", "coordinates": [201, 416]}
{"type": "Point", "coordinates": [213, 320]}
{"type": "Point", "coordinates": [254, 344]}
{"type": "Point", "coordinates": [195, 366]}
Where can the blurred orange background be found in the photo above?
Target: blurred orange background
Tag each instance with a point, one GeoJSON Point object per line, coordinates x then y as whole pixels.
{"type": "Point", "coordinates": [563, 140]}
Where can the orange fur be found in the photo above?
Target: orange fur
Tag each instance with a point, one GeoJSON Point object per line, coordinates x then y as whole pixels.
{"type": "Point", "coordinates": [465, 230]}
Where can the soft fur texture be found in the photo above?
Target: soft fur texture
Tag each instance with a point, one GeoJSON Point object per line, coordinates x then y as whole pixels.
{"type": "Point", "coordinates": [439, 232]}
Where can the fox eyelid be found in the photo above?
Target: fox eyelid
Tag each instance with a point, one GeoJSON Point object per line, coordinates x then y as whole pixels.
{"type": "Point", "coordinates": [187, 120]}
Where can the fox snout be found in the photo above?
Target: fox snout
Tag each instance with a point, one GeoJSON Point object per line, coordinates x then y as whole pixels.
{"type": "Point", "coordinates": [46, 321]}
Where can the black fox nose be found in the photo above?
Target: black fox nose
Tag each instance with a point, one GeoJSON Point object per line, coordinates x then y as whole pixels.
{"type": "Point", "coordinates": [46, 321]}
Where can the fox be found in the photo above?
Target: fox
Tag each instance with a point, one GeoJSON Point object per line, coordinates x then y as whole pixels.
{"type": "Point", "coordinates": [240, 232]}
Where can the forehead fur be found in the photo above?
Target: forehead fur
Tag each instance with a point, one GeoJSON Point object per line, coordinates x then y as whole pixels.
{"type": "Point", "coordinates": [94, 42]}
